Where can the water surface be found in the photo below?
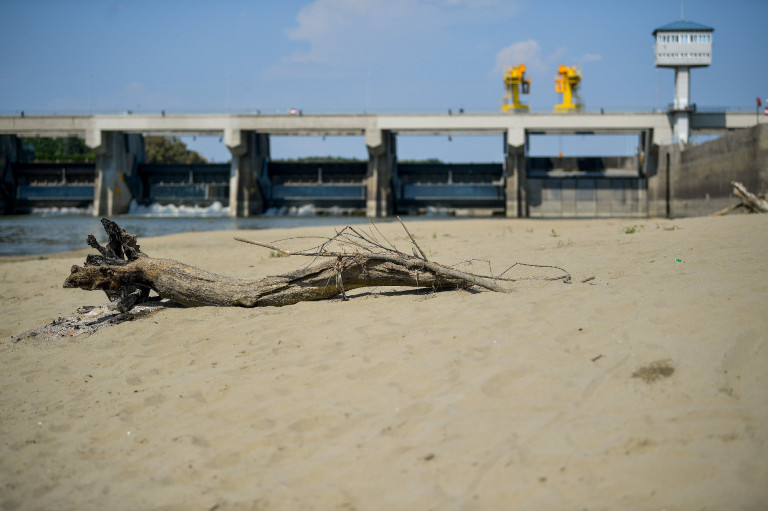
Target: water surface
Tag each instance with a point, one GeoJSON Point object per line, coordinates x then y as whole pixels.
{"type": "Point", "coordinates": [46, 234]}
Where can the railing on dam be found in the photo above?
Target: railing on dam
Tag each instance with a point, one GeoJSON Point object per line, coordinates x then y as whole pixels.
{"type": "Point", "coordinates": [555, 187]}
{"type": "Point", "coordinates": [589, 166]}
{"type": "Point", "coordinates": [50, 185]}
{"type": "Point", "coordinates": [197, 184]}
{"type": "Point", "coordinates": [585, 187]}
{"type": "Point", "coordinates": [321, 184]}
{"type": "Point", "coordinates": [418, 186]}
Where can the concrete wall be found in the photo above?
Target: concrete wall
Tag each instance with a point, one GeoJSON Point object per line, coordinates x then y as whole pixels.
{"type": "Point", "coordinates": [695, 180]}
{"type": "Point", "coordinates": [586, 197]}
{"type": "Point", "coordinates": [587, 187]}
{"type": "Point", "coordinates": [515, 186]}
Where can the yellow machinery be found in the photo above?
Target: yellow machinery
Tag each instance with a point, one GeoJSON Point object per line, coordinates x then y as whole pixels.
{"type": "Point", "coordinates": [516, 83]}
{"type": "Point", "coordinates": [567, 83]}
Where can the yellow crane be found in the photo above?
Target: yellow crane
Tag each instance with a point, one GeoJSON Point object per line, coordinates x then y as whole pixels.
{"type": "Point", "coordinates": [515, 83]}
{"type": "Point", "coordinates": [567, 83]}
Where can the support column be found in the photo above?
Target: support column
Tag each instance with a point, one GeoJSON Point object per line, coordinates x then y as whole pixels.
{"type": "Point", "coordinates": [682, 128]}
{"type": "Point", "coordinates": [10, 152]}
{"type": "Point", "coordinates": [117, 157]}
{"type": "Point", "coordinates": [514, 168]}
{"type": "Point", "coordinates": [674, 163]}
{"type": "Point", "coordinates": [682, 105]}
{"type": "Point", "coordinates": [646, 166]}
{"type": "Point", "coordinates": [381, 163]}
{"type": "Point", "coordinates": [661, 181]}
{"type": "Point", "coordinates": [250, 153]}
{"type": "Point", "coordinates": [682, 88]}
{"type": "Point", "coordinates": [656, 173]}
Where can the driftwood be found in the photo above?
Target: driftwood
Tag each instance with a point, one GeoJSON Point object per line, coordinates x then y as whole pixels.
{"type": "Point", "coordinates": [356, 259]}
{"type": "Point", "coordinates": [752, 203]}
{"type": "Point", "coordinates": [128, 275]}
{"type": "Point", "coordinates": [89, 319]}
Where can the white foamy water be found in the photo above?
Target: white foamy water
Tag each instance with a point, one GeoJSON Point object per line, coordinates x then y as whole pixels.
{"type": "Point", "coordinates": [310, 210]}
{"type": "Point", "coordinates": [171, 210]}
{"type": "Point", "coordinates": [63, 211]}
{"type": "Point", "coordinates": [438, 211]}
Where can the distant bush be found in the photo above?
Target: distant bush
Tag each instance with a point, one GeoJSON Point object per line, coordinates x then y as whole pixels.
{"type": "Point", "coordinates": [320, 159]}
{"type": "Point", "coordinates": [168, 150]}
{"type": "Point", "coordinates": [59, 149]}
{"type": "Point", "coordinates": [428, 161]}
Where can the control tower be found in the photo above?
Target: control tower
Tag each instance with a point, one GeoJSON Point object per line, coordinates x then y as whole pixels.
{"type": "Point", "coordinates": [682, 45]}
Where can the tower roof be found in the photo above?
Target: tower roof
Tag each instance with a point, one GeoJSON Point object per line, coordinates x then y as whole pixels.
{"type": "Point", "coordinates": [683, 25]}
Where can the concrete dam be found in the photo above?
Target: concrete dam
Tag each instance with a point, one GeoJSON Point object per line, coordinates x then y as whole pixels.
{"type": "Point", "coordinates": [521, 186]}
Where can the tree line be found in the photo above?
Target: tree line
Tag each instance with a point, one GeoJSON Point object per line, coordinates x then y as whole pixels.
{"type": "Point", "coordinates": [158, 150]}
{"type": "Point", "coordinates": [62, 149]}
{"type": "Point", "coordinates": [167, 150]}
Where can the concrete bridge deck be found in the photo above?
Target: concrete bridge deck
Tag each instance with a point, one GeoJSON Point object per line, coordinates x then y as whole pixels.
{"type": "Point", "coordinates": [228, 126]}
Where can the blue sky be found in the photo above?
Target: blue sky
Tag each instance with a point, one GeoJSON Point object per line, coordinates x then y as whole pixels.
{"type": "Point", "coordinates": [349, 56]}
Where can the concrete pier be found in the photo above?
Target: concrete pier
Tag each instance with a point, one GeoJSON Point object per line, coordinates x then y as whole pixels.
{"type": "Point", "coordinates": [515, 170]}
{"type": "Point", "coordinates": [250, 152]}
{"type": "Point", "coordinates": [381, 162]}
{"type": "Point", "coordinates": [10, 153]}
{"type": "Point", "coordinates": [117, 157]}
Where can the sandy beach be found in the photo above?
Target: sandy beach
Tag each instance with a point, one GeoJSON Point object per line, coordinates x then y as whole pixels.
{"type": "Point", "coordinates": [645, 387]}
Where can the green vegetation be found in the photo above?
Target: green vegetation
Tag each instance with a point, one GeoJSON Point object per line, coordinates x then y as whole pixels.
{"type": "Point", "coordinates": [60, 149]}
{"type": "Point", "coordinates": [428, 161]}
{"type": "Point", "coordinates": [656, 370]}
{"type": "Point", "coordinates": [344, 159]}
{"type": "Point", "coordinates": [167, 150]}
{"type": "Point", "coordinates": [319, 159]}
{"type": "Point", "coordinates": [74, 150]}
{"type": "Point", "coordinates": [633, 229]}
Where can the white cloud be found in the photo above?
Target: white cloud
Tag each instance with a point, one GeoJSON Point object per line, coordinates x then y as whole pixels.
{"type": "Point", "coordinates": [343, 33]}
{"type": "Point", "coordinates": [531, 54]}
{"type": "Point", "coordinates": [591, 57]}
{"type": "Point", "coordinates": [338, 31]}
{"type": "Point", "coordinates": [523, 52]}
{"type": "Point", "coordinates": [556, 57]}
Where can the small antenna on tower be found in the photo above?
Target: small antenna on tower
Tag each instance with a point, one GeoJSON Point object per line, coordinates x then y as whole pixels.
{"type": "Point", "coordinates": [682, 10]}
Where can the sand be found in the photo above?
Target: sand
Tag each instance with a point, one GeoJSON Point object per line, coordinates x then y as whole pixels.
{"type": "Point", "coordinates": [644, 388]}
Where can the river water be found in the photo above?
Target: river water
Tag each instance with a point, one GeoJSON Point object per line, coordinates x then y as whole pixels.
{"type": "Point", "coordinates": [51, 231]}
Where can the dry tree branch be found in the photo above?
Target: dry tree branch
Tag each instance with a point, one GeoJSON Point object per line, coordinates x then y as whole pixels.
{"type": "Point", "coordinates": [423, 256]}
{"type": "Point", "coordinates": [355, 259]}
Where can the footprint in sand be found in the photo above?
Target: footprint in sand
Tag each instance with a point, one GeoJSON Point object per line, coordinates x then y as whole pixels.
{"type": "Point", "coordinates": [503, 384]}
